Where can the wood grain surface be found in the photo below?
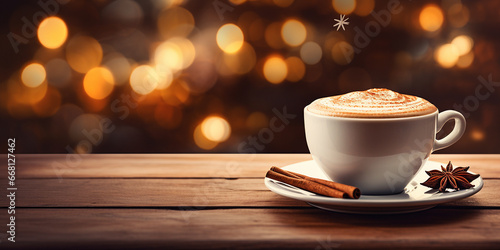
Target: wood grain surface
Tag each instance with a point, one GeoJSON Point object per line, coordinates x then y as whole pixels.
{"type": "Point", "coordinates": [176, 192]}
{"type": "Point", "coordinates": [193, 165]}
{"type": "Point", "coordinates": [257, 228]}
{"type": "Point", "coordinates": [220, 201]}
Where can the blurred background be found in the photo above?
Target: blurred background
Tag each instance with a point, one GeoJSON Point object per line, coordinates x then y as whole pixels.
{"type": "Point", "coordinates": [233, 75]}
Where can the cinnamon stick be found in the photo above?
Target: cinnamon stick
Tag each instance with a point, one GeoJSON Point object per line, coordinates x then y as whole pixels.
{"type": "Point", "coordinates": [352, 192]}
{"type": "Point", "coordinates": [307, 185]}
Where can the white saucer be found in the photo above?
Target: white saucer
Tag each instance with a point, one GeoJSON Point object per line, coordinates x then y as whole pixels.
{"type": "Point", "coordinates": [414, 198]}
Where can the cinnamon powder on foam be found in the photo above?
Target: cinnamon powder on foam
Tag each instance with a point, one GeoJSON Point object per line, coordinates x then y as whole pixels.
{"type": "Point", "coordinates": [372, 103]}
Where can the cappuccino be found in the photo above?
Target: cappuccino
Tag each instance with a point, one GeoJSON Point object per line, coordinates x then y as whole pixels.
{"type": "Point", "coordinates": [372, 103]}
{"type": "Point", "coordinates": [376, 140]}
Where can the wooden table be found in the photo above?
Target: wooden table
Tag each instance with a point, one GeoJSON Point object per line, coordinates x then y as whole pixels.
{"type": "Point", "coordinates": [219, 201]}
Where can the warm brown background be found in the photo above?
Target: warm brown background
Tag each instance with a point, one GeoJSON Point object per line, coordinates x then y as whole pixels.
{"type": "Point", "coordinates": [401, 57]}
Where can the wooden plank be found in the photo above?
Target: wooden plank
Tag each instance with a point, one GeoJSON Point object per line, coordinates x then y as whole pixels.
{"type": "Point", "coordinates": [150, 165]}
{"type": "Point", "coordinates": [176, 192]}
{"type": "Point", "coordinates": [254, 228]}
{"type": "Point", "coordinates": [191, 165]}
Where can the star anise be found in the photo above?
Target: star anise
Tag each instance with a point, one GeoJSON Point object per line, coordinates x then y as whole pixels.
{"type": "Point", "coordinates": [457, 178]}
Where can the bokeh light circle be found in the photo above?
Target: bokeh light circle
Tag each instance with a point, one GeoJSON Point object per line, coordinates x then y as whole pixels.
{"type": "Point", "coordinates": [447, 55]}
{"type": "Point", "coordinates": [431, 18]}
{"type": "Point", "coordinates": [144, 79]}
{"type": "Point", "coordinates": [311, 53]}
{"type": "Point", "coordinates": [293, 32]}
{"type": "Point", "coordinates": [275, 69]}
{"type": "Point", "coordinates": [216, 128]}
{"type": "Point", "coordinates": [201, 141]}
{"type": "Point", "coordinates": [174, 54]}
{"type": "Point", "coordinates": [230, 38]}
{"type": "Point", "coordinates": [52, 32]}
{"type": "Point", "coordinates": [463, 43]}
{"type": "Point", "coordinates": [98, 83]}
{"type": "Point", "coordinates": [33, 75]}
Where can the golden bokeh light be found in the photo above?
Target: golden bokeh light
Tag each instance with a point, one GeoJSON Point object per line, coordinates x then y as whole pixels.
{"type": "Point", "coordinates": [52, 32]}
{"type": "Point", "coordinates": [144, 79]}
{"type": "Point", "coordinates": [296, 69]}
{"type": "Point", "coordinates": [293, 32]}
{"type": "Point", "coordinates": [175, 54]}
{"type": "Point", "coordinates": [98, 83]}
{"type": "Point", "coordinates": [283, 3]}
{"type": "Point", "coordinates": [240, 62]}
{"type": "Point", "coordinates": [33, 75]}
{"type": "Point", "coordinates": [311, 53]}
{"type": "Point", "coordinates": [83, 53]}
{"type": "Point", "coordinates": [168, 55]}
{"type": "Point", "coordinates": [230, 38]}
{"type": "Point", "coordinates": [342, 53]}
{"type": "Point", "coordinates": [344, 7]}
{"type": "Point", "coordinates": [275, 69]}
{"type": "Point", "coordinates": [431, 18]}
{"type": "Point", "coordinates": [174, 22]}
{"type": "Point", "coordinates": [364, 7]}
{"type": "Point", "coordinates": [215, 128]}
{"type": "Point", "coordinates": [463, 43]}
{"type": "Point", "coordinates": [201, 141]}
{"type": "Point", "coordinates": [446, 55]}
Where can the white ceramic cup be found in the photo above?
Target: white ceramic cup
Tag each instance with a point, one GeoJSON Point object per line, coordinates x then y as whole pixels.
{"type": "Point", "coordinates": [377, 155]}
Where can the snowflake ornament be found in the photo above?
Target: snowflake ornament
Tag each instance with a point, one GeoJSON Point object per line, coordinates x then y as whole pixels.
{"type": "Point", "coordinates": [341, 22]}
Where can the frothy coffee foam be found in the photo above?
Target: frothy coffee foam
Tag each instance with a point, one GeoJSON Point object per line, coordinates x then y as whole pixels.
{"type": "Point", "coordinates": [372, 103]}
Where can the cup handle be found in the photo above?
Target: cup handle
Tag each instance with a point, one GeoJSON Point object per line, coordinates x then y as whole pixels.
{"type": "Point", "coordinates": [456, 133]}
